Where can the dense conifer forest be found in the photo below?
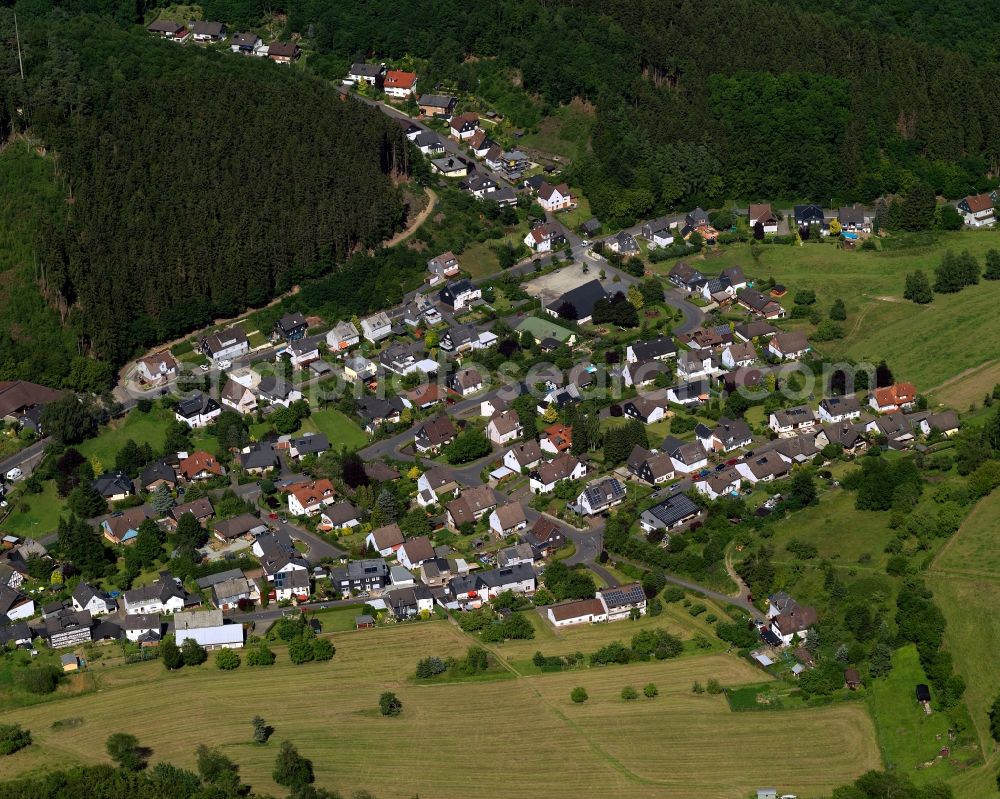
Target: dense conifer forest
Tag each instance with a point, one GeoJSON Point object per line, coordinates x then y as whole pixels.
{"type": "Point", "coordinates": [198, 183]}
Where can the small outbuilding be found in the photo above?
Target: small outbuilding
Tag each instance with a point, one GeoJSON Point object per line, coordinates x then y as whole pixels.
{"type": "Point", "coordinates": [852, 678]}
{"type": "Point", "coordinates": [70, 663]}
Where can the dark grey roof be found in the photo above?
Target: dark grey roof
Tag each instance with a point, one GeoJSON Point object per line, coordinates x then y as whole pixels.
{"type": "Point", "coordinates": [435, 100]}
{"type": "Point", "coordinates": [206, 28]}
{"type": "Point", "coordinates": [260, 456]}
{"type": "Point", "coordinates": [583, 298]}
{"type": "Point", "coordinates": [673, 509]}
{"type": "Point", "coordinates": [111, 483]}
{"type": "Point", "coordinates": [195, 404]}
{"type": "Point", "coordinates": [220, 577]}
{"type": "Point", "coordinates": [158, 470]}
{"type": "Point", "coordinates": [808, 214]}
{"type": "Point", "coordinates": [602, 492]}
{"type": "Point", "coordinates": [654, 348]}
{"type": "Point", "coordinates": [277, 387]}
{"type": "Point", "coordinates": [631, 594]}
{"type": "Point", "coordinates": [366, 70]}
{"type": "Point", "coordinates": [312, 444]}
{"type": "Point", "coordinates": [494, 578]}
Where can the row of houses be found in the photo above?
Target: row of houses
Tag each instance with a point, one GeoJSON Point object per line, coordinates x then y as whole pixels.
{"type": "Point", "coordinates": [209, 32]}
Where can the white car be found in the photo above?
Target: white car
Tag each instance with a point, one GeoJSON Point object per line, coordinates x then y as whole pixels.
{"type": "Point", "coordinates": [14, 474]}
{"type": "Point", "coordinates": [225, 364]}
{"type": "Point", "coordinates": [204, 367]}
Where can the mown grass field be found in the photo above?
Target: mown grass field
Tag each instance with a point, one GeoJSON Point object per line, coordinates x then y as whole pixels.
{"type": "Point", "coordinates": [342, 431]}
{"type": "Point", "coordinates": [965, 578]}
{"type": "Point", "coordinates": [676, 744]}
{"type": "Point", "coordinates": [925, 344]}
{"type": "Point", "coordinates": [908, 736]}
{"type": "Point", "coordinates": [143, 428]}
{"type": "Point", "coordinates": [42, 516]}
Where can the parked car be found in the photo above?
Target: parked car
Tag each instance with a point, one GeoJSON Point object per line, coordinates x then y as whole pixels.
{"type": "Point", "coordinates": [226, 364]}
{"type": "Point", "coordinates": [15, 474]}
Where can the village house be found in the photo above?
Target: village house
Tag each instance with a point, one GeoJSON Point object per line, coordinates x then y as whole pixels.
{"type": "Point", "coordinates": [763, 214]}
{"type": "Point", "coordinates": [200, 508]}
{"type": "Point", "coordinates": [737, 356]}
{"type": "Point", "coordinates": [450, 167]}
{"type": "Point", "coordinates": [444, 265]}
{"type": "Point", "coordinates": [309, 444]}
{"type": "Point", "coordinates": [622, 600]}
{"type": "Point", "coordinates": [376, 327]}
{"type": "Point", "coordinates": [460, 295]}
{"type": "Point", "coordinates": [169, 29]}
{"type": "Point", "coordinates": [854, 218]}
{"type": "Point", "coordinates": [122, 527]}
{"type": "Point", "coordinates": [788, 421]}
{"type": "Point", "coordinates": [399, 84]}
{"type": "Point", "coordinates": [440, 106]}
{"type": "Point", "coordinates": [578, 302]}
{"type": "Point", "coordinates": [471, 505]}
{"type": "Point", "coordinates": [197, 410]}
{"type": "Point", "coordinates": [308, 499]}
{"type": "Point", "coordinates": [684, 275]}
{"type": "Point", "coordinates": [464, 126]}
{"type": "Point", "coordinates": [503, 427]}
{"type": "Point", "coordinates": [283, 52]}
{"type": "Point", "coordinates": [545, 237]}
{"type": "Point", "coordinates": [370, 574]}
{"type": "Point", "coordinates": [258, 458]}
{"type": "Point", "coordinates": [945, 422]}
{"type": "Point", "coordinates": [693, 393]}
{"type": "Point", "coordinates": [508, 519]}
{"type": "Point", "coordinates": [375, 412]}
{"type": "Point", "coordinates": [277, 391]}
{"type": "Point", "coordinates": [165, 595]}
{"type": "Point", "coordinates": [385, 540]}
{"type": "Point", "coordinates": [245, 525]}
{"type": "Point", "coordinates": [434, 484]}
{"type": "Point", "coordinates": [658, 232]}
{"type": "Point", "coordinates": [208, 629]}
{"type": "Point", "coordinates": [757, 329]}
{"type": "Point", "coordinates": [339, 516]}
{"type": "Point", "coordinates": [14, 605]}
{"type": "Point", "coordinates": [290, 327]}
{"type": "Point", "coordinates": [225, 345]}
{"type": "Point", "coordinates": [114, 486]}
{"type": "Point", "coordinates": [692, 364]}
{"type": "Point", "coordinates": [556, 438]}
{"type": "Point", "coordinates": [415, 551]}
{"type": "Point", "coordinates": [763, 468]}
{"type": "Point", "coordinates": [545, 537]}
{"type": "Point", "coordinates": [839, 409]}
{"type": "Point", "coordinates": [248, 44]}
{"type": "Point", "coordinates": [199, 465]}
{"type": "Point", "coordinates": [718, 484]}
{"type": "Point", "coordinates": [759, 304]}
{"type": "Point", "coordinates": [581, 611]}
{"type": "Point", "coordinates": [900, 396]}
{"type": "Point", "coordinates": [793, 623]}
{"type": "Point", "coordinates": [686, 457]}
{"type": "Point", "coordinates": [292, 585]}
{"type": "Point", "coordinates": [652, 467]}
{"type": "Point", "coordinates": [227, 594]}
{"type": "Point", "coordinates": [238, 397]}
{"type": "Point", "coordinates": [808, 215]}
{"type": "Point", "coordinates": [143, 628]}
{"type": "Point", "coordinates": [789, 346]}
{"type": "Point", "coordinates": [673, 512]}
{"type": "Point", "coordinates": [728, 434]}
{"type": "Point", "coordinates": [523, 456]}
{"type": "Point", "coordinates": [600, 495]}
{"type": "Point", "coordinates": [977, 210]}
{"type": "Point", "coordinates": [95, 602]}
{"type": "Point", "coordinates": [372, 74]}
{"type": "Point", "coordinates": [623, 243]}
{"type": "Point", "coordinates": [647, 409]}
{"type": "Point", "coordinates": [465, 382]}
{"type": "Point", "coordinates": [554, 198]}
{"type": "Point", "coordinates": [472, 589]}
{"type": "Point", "coordinates": [158, 368]}
{"type": "Point", "coordinates": [661, 348]}
{"type": "Point", "coordinates": [409, 602]}
{"type": "Point", "coordinates": [546, 476]}
{"type": "Point", "coordinates": [342, 337]}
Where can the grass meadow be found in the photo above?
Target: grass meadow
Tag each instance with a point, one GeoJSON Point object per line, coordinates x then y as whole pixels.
{"type": "Point", "coordinates": [965, 578]}
{"type": "Point", "coordinates": [679, 743]}
{"type": "Point", "coordinates": [928, 344]}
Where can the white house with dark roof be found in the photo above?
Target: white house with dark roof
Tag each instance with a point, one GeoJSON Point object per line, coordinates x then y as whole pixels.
{"type": "Point", "coordinates": [98, 603]}
{"type": "Point", "coordinates": [385, 540]}
{"type": "Point", "coordinates": [675, 511]}
{"type": "Point", "coordinates": [839, 409]}
{"type": "Point", "coordinates": [225, 345]}
{"type": "Point", "coordinates": [622, 600]}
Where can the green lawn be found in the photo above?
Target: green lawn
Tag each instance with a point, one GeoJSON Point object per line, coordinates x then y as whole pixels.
{"type": "Point", "coordinates": [965, 579]}
{"type": "Point", "coordinates": [564, 133]}
{"type": "Point", "coordinates": [906, 734]}
{"type": "Point", "coordinates": [924, 344]}
{"type": "Point", "coordinates": [576, 216]}
{"type": "Point", "coordinates": [341, 430]}
{"type": "Point", "coordinates": [42, 516]}
{"type": "Point", "coordinates": [143, 428]}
